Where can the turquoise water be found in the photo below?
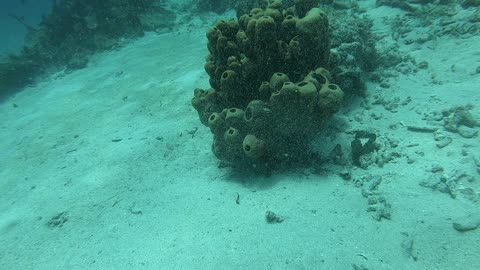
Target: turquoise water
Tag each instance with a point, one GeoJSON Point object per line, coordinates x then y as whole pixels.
{"type": "Point", "coordinates": [163, 135]}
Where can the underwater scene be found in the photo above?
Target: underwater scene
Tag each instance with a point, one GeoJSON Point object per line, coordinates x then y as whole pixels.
{"type": "Point", "coordinates": [230, 134]}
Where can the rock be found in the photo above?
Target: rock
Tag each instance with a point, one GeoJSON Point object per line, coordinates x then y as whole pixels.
{"type": "Point", "coordinates": [272, 218]}
{"type": "Point", "coordinates": [346, 175]}
{"type": "Point", "coordinates": [422, 129]}
{"type": "Point", "coordinates": [467, 223]}
{"type": "Point", "coordinates": [436, 168]}
{"type": "Point", "coordinates": [467, 132]}
{"type": "Point", "coordinates": [442, 140]}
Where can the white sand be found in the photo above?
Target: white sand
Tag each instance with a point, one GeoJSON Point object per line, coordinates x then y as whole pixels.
{"type": "Point", "coordinates": [156, 199]}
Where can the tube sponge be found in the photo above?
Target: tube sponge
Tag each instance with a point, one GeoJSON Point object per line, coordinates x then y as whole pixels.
{"type": "Point", "coordinates": [315, 23]}
{"type": "Point", "coordinates": [331, 97]}
{"type": "Point", "coordinates": [229, 81]}
{"type": "Point", "coordinates": [216, 123]}
{"type": "Point", "coordinates": [253, 147]}
{"type": "Point", "coordinates": [277, 80]}
{"type": "Point", "coordinates": [265, 29]}
{"type": "Point", "coordinates": [258, 115]}
{"type": "Point", "coordinates": [307, 90]}
{"type": "Point", "coordinates": [289, 90]}
{"type": "Point", "coordinates": [233, 145]}
{"type": "Point", "coordinates": [234, 118]}
{"type": "Point", "coordinates": [318, 77]}
{"type": "Point", "coordinates": [232, 135]}
{"type": "Point", "coordinates": [288, 27]}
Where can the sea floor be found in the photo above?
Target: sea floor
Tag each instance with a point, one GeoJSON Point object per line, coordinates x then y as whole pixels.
{"type": "Point", "coordinates": [108, 167]}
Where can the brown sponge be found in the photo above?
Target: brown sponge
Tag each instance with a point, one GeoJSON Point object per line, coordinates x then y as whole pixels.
{"type": "Point", "coordinates": [253, 147]}
{"type": "Point", "coordinates": [234, 118]}
{"type": "Point", "coordinates": [270, 96]}
{"type": "Point", "coordinates": [277, 80]}
{"type": "Point", "coordinates": [331, 97]}
{"type": "Point", "coordinates": [265, 29]}
{"type": "Point", "coordinates": [216, 122]}
{"type": "Point", "coordinates": [314, 23]}
{"type": "Point", "coordinates": [258, 115]}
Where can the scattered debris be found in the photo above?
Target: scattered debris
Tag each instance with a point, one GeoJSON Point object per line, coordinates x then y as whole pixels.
{"type": "Point", "coordinates": [408, 247]}
{"type": "Point", "coordinates": [460, 120]}
{"type": "Point", "coordinates": [359, 149]}
{"type": "Point", "coordinates": [272, 218]}
{"type": "Point", "coordinates": [237, 198]}
{"type": "Point", "coordinates": [452, 184]}
{"type": "Point", "coordinates": [345, 175]}
{"type": "Point", "coordinates": [337, 156]}
{"type": "Point", "coordinates": [368, 149]}
{"type": "Point", "coordinates": [377, 203]}
{"type": "Point", "coordinates": [454, 118]}
{"type": "Point", "coordinates": [467, 132]}
{"type": "Point", "coordinates": [436, 168]}
{"type": "Point", "coordinates": [58, 220]}
{"type": "Point", "coordinates": [422, 129]}
{"type": "Point", "coordinates": [411, 160]}
{"type": "Point", "coordinates": [389, 105]}
{"type": "Point", "coordinates": [135, 210]}
{"type": "Point", "coordinates": [441, 139]}
{"type": "Point", "coordinates": [379, 206]}
{"type": "Point", "coordinates": [192, 131]}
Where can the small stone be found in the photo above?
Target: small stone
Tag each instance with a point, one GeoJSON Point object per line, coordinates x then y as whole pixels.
{"type": "Point", "coordinates": [58, 220]}
{"type": "Point", "coordinates": [420, 153]}
{"type": "Point", "coordinates": [423, 65]}
{"type": "Point", "coordinates": [410, 160]}
{"type": "Point", "coordinates": [372, 200]}
{"type": "Point", "coordinates": [346, 175]}
{"type": "Point", "coordinates": [136, 211]}
{"type": "Point", "coordinates": [437, 116]}
{"type": "Point", "coordinates": [376, 116]}
{"type": "Point", "coordinates": [385, 84]}
{"type": "Point", "coordinates": [467, 223]}
{"type": "Point", "coordinates": [467, 132]}
{"type": "Point", "coordinates": [441, 143]}
{"type": "Point", "coordinates": [272, 218]}
{"type": "Point", "coordinates": [436, 169]}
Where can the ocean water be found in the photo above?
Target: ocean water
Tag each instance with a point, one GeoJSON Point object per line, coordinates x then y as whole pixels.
{"type": "Point", "coordinates": [129, 139]}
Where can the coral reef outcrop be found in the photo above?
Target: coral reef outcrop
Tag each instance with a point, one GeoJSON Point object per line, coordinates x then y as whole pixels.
{"type": "Point", "coordinates": [270, 94]}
